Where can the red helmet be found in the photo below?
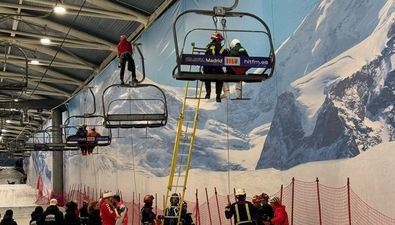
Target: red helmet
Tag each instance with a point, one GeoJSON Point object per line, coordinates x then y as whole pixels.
{"type": "Point", "coordinates": [148, 198]}
{"type": "Point", "coordinates": [217, 36]}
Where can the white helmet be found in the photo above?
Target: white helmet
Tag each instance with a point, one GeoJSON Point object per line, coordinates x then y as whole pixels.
{"type": "Point", "coordinates": [240, 192]}
{"type": "Point", "coordinates": [234, 42]}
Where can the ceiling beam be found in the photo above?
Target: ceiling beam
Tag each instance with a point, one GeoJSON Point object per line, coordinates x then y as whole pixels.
{"type": "Point", "coordinates": [58, 27]}
{"type": "Point", "coordinates": [43, 62]}
{"type": "Point", "coordinates": [74, 9]}
{"type": "Point", "coordinates": [48, 72]}
{"type": "Point", "coordinates": [140, 17]}
{"type": "Point", "coordinates": [48, 51]}
{"type": "Point", "coordinates": [10, 75]}
{"type": "Point", "coordinates": [57, 41]}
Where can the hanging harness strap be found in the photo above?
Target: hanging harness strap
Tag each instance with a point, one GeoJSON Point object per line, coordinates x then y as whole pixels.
{"type": "Point", "coordinates": [238, 214]}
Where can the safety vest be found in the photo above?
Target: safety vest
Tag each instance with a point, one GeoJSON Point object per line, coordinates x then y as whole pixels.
{"type": "Point", "coordinates": [238, 215]}
{"type": "Point", "coordinates": [212, 50]}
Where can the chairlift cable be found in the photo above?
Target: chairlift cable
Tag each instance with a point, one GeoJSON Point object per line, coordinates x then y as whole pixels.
{"type": "Point", "coordinates": [274, 43]}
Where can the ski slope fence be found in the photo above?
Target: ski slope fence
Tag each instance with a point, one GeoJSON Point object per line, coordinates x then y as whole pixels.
{"type": "Point", "coordinates": [307, 203]}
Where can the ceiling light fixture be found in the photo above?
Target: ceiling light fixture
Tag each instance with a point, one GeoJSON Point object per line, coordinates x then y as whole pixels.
{"type": "Point", "coordinates": [45, 41]}
{"type": "Point", "coordinates": [8, 121]}
{"type": "Point", "coordinates": [59, 10]}
{"type": "Point", "coordinates": [34, 62]}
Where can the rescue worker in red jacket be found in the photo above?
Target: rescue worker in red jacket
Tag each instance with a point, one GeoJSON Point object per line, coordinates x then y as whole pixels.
{"type": "Point", "coordinates": [108, 213]}
{"type": "Point", "coordinates": [243, 211]}
{"type": "Point", "coordinates": [216, 48]}
{"type": "Point", "coordinates": [280, 215]}
{"type": "Point", "coordinates": [125, 52]}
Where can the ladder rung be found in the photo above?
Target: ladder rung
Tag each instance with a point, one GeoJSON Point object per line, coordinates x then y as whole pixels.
{"type": "Point", "coordinates": [177, 186]}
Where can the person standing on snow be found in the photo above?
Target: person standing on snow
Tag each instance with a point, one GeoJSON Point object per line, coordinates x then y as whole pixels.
{"type": "Point", "coordinates": [236, 50]}
{"type": "Point", "coordinates": [7, 219]}
{"type": "Point", "coordinates": [267, 209]}
{"type": "Point", "coordinates": [71, 217]}
{"type": "Point", "coordinates": [125, 54]}
{"type": "Point", "coordinates": [242, 211]}
{"type": "Point", "coordinates": [52, 215]}
{"type": "Point", "coordinates": [84, 215]}
{"type": "Point", "coordinates": [215, 48]}
{"type": "Point", "coordinates": [148, 217]}
{"type": "Point", "coordinates": [94, 214]}
{"type": "Point", "coordinates": [108, 213]}
{"type": "Point", "coordinates": [122, 211]}
{"type": "Point", "coordinates": [280, 215]}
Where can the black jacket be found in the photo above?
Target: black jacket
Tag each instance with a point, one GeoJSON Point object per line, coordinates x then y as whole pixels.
{"type": "Point", "coordinates": [52, 216]}
{"type": "Point", "coordinates": [71, 219]}
{"type": "Point", "coordinates": [8, 221]}
{"type": "Point", "coordinates": [147, 216]}
{"type": "Point", "coordinates": [246, 212]}
{"type": "Point", "coordinates": [215, 48]}
{"type": "Point", "coordinates": [94, 218]}
{"type": "Point", "coordinates": [263, 213]}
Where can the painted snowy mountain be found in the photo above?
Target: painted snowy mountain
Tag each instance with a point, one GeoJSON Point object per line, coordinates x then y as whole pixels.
{"type": "Point", "coordinates": [332, 96]}
{"type": "Point", "coordinates": [345, 105]}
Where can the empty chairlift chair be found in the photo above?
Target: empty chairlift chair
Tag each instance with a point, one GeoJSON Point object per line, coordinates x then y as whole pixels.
{"type": "Point", "coordinates": [11, 54]}
{"type": "Point", "coordinates": [134, 110]}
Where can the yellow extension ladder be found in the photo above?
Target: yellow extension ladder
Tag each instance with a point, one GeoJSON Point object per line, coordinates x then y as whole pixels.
{"type": "Point", "coordinates": [183, 146]}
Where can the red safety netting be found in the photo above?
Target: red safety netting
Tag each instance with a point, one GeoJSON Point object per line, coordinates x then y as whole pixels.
{"type": "Point", "coordinates": [307, 203]}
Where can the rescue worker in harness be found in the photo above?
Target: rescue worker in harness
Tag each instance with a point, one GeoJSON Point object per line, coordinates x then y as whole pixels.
{"type": "Point", "coordinates": [236, 50]}
{"type": "Point", "coordinates": [243, 211]}
{"type": "Point", "coordinates": [216, 48]}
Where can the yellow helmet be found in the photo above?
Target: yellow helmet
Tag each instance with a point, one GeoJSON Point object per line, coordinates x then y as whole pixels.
{"type": "Point", "coordinates": [240, 191]}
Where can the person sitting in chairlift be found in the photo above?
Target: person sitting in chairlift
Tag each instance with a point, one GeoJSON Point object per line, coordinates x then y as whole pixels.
{"type": "Point", "coordinates": [215, 48]}
{"type": "Point", "coordinates": [125, 54]}
{"type": "Point", "coordinates": [81, 135]}
{"type": "Point", "coordinates": [91, 144]}
{"type": "Point", "coordinates": [236, 50]}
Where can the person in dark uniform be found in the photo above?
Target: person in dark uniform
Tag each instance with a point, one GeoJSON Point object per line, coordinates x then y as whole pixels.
{"type": "Point", "coordinates": [125, 54]}
{"type": "Point", "coordinates": [84, 214]}
{"type": "Point", "coordinates": [52, 215]}
{"type": "Point", "coordinates": [242, 211]}
{"type": "Point", "coordinates": [148, 217]}
{"type": "Point", "coordinates": [215, 47]}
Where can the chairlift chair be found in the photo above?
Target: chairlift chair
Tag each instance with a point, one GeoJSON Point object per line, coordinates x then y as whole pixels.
{"type": "Point", "coordinates": [134, 120]}
{"type": "Point", "coordinates": [73, 141]}
{"type": "Point", "coordinates": [266, 62]}
{"type": "Point", "coordinates": [19, 84]}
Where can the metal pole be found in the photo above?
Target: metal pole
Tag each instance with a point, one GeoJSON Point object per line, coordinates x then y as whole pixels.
{"type": "Point", "coordinates": [216, 199]}
{"type": "Point", "coordinates": [197, 215]}
{"type": "Point", "coordinates": [208, 207]}
{"type": "Point", "coordinates": [133, 209]}
{"type": "Point", "coordinates": [292, 202]}
{"type": "Point", "coordinates": [57, 159]}
{"type": "Point", "coordinates": [156, 204]}
{"type": "Point", "coordinates": [319, 201]}
{"type": "Point", "coordinates": [349, 200]}
{"type": "Point", "coordinates": [139, 206]}
{"type": "Point", "coordinates": [281, 193]}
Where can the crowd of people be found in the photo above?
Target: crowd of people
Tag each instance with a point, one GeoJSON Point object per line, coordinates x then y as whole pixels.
{"type": "Point", "coordinates": [110, 210]}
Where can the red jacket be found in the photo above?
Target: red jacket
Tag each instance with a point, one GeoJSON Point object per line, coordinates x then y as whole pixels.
{"type": "Point", "coordinates": [124, 46]}
{"type": "Point", "coordinates": [107, 214]}
{"type": "Point", "coordinates": [123, 212]}
{"type": "Point", "coordinates": [280, 216]}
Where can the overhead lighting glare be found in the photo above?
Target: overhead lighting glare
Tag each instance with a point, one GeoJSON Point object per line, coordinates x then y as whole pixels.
{"type": "Point", "coordinates": [45, 41]}
{"type": "Point", "coordinates": [3, 130]}
{"type": "Point", "coordinates": [16, 100]}
{"type": "Point", "coordinates": [59, 10]}
{"type": "Point", "coordinates": [34, 62]}
{"type": "Point", "coordinates": [8, 121]}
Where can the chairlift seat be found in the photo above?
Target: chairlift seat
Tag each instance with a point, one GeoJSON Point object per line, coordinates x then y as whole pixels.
{"type": "Point", "coordinates": [74, 141]}
{"type": "Point", "coordinates": [53, 147]}
{"type": "Point", "coordinates": [249, 78]}
{"type": "Point", "coordinates": [135, 120]}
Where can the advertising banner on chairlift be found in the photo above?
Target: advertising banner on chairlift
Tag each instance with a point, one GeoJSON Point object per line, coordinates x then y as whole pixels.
{"type": "Point", "coordinates": [209, 60]}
